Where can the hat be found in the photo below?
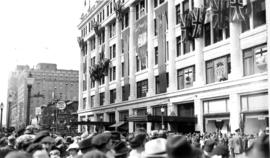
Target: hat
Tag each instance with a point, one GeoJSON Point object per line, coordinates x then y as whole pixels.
{"type": "Point", "coordinates": [101, 139]}
{"type": "Point", "coordinates": [209, 145]}
{"type": "Point", "coordinates": [137, 140]}
{"type": "Point", "coordinates": [40, 135]}
{"type": "Point", "coordinates": [178, 146]}
{"type": "Point", "coordinates": [47, 139]}
{"type": "Point", "coordinates": [121, 149]}
{"type": "Point", "coordinates": [155, 148]}
{"type": "Point", "coordinates": [220, 149]}
{"type": "Point", "coordinates": [86, 143]}
{"type": "Point", "coordinates": [73, 146]}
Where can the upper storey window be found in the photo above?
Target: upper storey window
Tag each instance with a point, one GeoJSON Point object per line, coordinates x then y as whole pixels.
{"type": "Point", "coordinates": [140, 9]}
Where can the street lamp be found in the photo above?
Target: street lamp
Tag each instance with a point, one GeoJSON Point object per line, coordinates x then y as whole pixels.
{"type": "Point", "coordinates": [162, 119]}
{"type": "Point", "coordinates": [1, 107]}
{"type": "Point", "coordinates": [29, 81]}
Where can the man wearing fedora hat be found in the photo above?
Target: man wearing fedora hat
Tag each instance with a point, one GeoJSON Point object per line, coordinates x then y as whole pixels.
{"type": "Point", "coordinates": [155, 148]}
{"type": "Point", "coordinates": [179, 147]}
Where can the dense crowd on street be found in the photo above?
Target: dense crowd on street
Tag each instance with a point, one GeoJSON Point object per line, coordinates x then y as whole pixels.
{"type": "Point", "coordinates": [32, 143]}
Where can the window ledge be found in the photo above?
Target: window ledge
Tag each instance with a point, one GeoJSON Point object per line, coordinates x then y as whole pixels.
{"type": "Point", "coordinates": [216, 45]}
{"type": "Point", "coordinates": [253, 32]}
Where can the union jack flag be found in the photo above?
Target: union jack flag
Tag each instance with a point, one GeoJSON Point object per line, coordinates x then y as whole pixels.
{"type": "Point", "coordinates": [197, 22]}
{"type": "Point", "coordinates": [186, 26]}
{"type": "Point", "coordinates": [236, 11]}
{"type": "Point", "coordinates": [218, 13]}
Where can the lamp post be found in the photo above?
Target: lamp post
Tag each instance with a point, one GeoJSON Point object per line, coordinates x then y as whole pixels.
{"type": "Point", "coordinates": [29, 81]}
{"type": "Point", "coordinates": [1, 107]}
{"type": "Point", "coordinates": [162, 119]}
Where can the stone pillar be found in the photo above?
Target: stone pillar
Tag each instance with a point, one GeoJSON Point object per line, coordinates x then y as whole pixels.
{"type": "Point", "coordinates": [97, 82]}
{"type": "Point", "coordinates": [199, 56]}
{"type": "Point", "coordinates": [150, 49]}
{"type": "Point", "coordinates": [81, 82]}
{"type": "Point", "coordinates": [132, 57]}
{"type": "Point", "coordinates": [235, 50]}
{"type": "Point", "coordinates": [267, 3]}
{"type": "Point", "coordinates": [118, 61]}
{"type": "Point", "coordinates": [107, 56]}
{"type": "Point", "coordinates": [172, 46]}
{"type": "Point", "coordinates": [198, 110]}
{"type": "Point", "coordinates": [116, 116]}
{"type": "Point", "coordinates": [148, 124]}
{"type": "Point", "coordinates": [172, 111]}
{"type": "Point", "coordinates": [88, 99]}
{"type": "Point", "coordinates": [130, 124]}
{"type": "Point", "coordinates": [106, 117]}
{"type": "Point", "coordinates": [234, 108]}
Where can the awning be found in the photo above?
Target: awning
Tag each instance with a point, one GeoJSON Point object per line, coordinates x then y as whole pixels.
{"type": "Point", "coordinates": [168, 119]}
{"type": "Point", "coordinates": [92, 123]}
{"type": "Point", "coordinates": [118, 124]}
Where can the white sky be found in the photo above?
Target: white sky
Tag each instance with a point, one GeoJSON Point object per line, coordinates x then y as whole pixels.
{"type": "Point", "coordinates": [33, 31]}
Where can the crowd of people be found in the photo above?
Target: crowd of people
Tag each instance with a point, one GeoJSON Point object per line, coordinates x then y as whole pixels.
{"type": "Point", "coordinates": [32, 143]}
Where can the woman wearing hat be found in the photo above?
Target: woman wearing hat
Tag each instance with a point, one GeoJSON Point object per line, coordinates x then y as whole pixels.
{"type": "Point", "coordinates": [137, 145]}
{"type": "Point", "coordinates": [73, 150]}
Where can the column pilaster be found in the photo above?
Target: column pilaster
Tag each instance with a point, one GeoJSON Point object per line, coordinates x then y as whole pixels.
{"type": "Point", "coordinates": [88, 99]}
{"type": "Point", "coordinates": [97, 102]}
{"type": "Point", "coordinates": [81, 82]}
{"type": "Point", "coordinates": [150, 49]}
{"type": "Point", "coordinates": [234, 106]}
{"type": "Point", "coordinates": [149, 124]}
{"type": "Point", "coordinates": [107, 56]}
{"type": "Point", "coordinates": [198, 110]}
{"type": "Point", "coordinates": [132, 57]}
{"type": "Point", "coordinates": [235, 51]}
{"type": "Point", "coordinates": [118, 62]}
{"type": "Point", "coordinates": [172, 46]}
{"type": "Point", "coordinates": [130, 124]}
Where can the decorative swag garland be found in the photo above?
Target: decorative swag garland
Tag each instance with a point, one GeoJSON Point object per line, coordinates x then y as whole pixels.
{"type": "Point", "coordinates": [100, 70]}
{"type": "Point", "coordinates": [118, 8]}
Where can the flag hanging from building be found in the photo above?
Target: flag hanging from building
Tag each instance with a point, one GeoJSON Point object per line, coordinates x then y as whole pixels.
{"type": "Point", "coordinates": [236, 11]}
{"type": "Point", "coordinates": [125, 37]}
{"type": "Point", "coordinates": [247, 8]}
{"type": "Point", "coordinates": [198, 15]}
{"type": "Point", "coordinates": [161, 14]}
{"type": "Point", "coordinates": [186, 26]}
{"type": "Point", "coordinates": [141, 39]}
{"type": "Point", "coordinates": [221, 69]}
{"type": "Point", "coordinates": [218, 13]}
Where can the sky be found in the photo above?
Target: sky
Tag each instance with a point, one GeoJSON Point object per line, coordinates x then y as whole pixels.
{"type": "Point", "coordinates": [35, 31]}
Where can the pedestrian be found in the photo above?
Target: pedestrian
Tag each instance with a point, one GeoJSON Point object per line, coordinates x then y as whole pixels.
{"type": "Point", "coordinates": [103, 143]}
{"type": "Point", "coordinates": [155, 148]}
{"type": "Point", "coordinates": [73, 150]}
{"type": "Point", "coordinates": [9, 147]}
{"type": "Point", "coordinates": [86, 145]}
{"type": "Point", "coordinates": [237, 144]}
{"type": "Point", "coordinates": [220, 151]}
{"type": "Point", "coordinates": [121, 150]}
{"type": "Point", "coordinates": [137, 145]}
{"type": "Point", "coordinates": [208, 148]}
{"type": "Point", "coordinates": [55, 152]}
{"type": "Point", "coordinates": [260, 148]}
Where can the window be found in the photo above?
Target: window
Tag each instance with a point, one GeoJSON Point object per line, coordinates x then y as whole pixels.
{"type": "Point", "coordinates": [92, 83]}
{"type": "Point", "coordinates": [217, 35]}
{"type": "Point", "coordinates": [123, 115]}
{"type": "Point", "coordinates": [92, 100]}
{"type": "Point", "coordinates": [178, 45]}
{"type": "Point", "coordinates": [125, 92]}
{"type": "Point", "coordinates": [142, 88]}
{"type": "Point", "coordinates": [112, 73]}
{"type": "Point", "coordinates": [111, 7]}
{"type": "Point", "coordinates": [155, 3]}
{"type": "Point", "coordinates": [108, 7]}
{"type": "Point", "coordinates": [155, 27]}
{"type": "Point", "coordinates": [187, 46]}
{"type": "Point", "coordinates": [111, 117]}
{"type": "Point", "coordinates": [123, 69]}
{"type": "Point", "coordinates": [125, 20]}
{"type": "Point", "coordinates": [255, 60]}
{"type": "Point", "coordinates": [101, 97]}
{"type": "Point", "coordinates": [140, 9]}
{"type": "Point", "coordinates": [102, 80]}
{"type": "Point", "coordinates": [112, 95]}
{"type": "Point", "coordinates": [158, 83]}
{"type": "Point", "coordinates": [161, 1]}
{"type": "Point", "coordinates": [137, 64]}
{"type": "Point", "coordinates": [156, 55]}
{"type": "Point", "coordinates": [84, 103]}
{"type": "Point", "coordinates": [112, 51]}
{"type": "Point", "coordinates": [185, 77]}
{"type": "Point", "coordinates": [157, 110]}
{"type": "Point", "coordinates": [218, 69]}
{"type": "Point", "coordinates": [259, 17]}
{"type": "Point", "coordinates": [178, 14]}
{"type": "Point", "coordinates": [186, 6]}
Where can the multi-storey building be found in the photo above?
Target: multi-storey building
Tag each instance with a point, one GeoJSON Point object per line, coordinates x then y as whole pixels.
{"type": "Point", "coordinates": [50, 83]}
{"type": "Point", "coordinates": [219, 78]}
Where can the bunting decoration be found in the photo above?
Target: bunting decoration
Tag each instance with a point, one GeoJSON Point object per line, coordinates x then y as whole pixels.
{"type": "Point", "coordinates": [99, 70]}
{"type": "Point", "coordinates": [161, 14]}
{"type": "Point", "coordinates": [141, 39]}
{"type": "Point", "coordinates": [197, 22]}
{"type": "Point", "coordinates": [96, 27]}
{"type": "Point", "coordinates": [236, 11]}
{"type": "Point", "coordinates": [81, 43]}
{"type": "Point", "coordinates": [186, 26]}
{"type": "Point", "coordinates": [118, 9]}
